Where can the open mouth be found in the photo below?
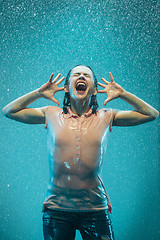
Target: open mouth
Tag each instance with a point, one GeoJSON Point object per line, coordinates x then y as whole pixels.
{"type": "Point", "coordinates": [81, 86]}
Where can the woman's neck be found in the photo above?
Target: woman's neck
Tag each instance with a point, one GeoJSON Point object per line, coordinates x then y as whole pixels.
{"type": "Point", "coordinates": [79, 107]}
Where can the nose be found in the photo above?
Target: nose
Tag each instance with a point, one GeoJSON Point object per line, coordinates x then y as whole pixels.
{"type": "Point", "coordinates": [81, 78]}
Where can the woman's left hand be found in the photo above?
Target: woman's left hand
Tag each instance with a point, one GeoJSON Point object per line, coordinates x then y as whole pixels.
{"type": "Point", "coordinates": [112, 89]}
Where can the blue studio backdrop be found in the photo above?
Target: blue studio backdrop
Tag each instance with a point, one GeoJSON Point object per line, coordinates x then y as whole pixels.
{"type": "Point", "coordinates": [39, 37]}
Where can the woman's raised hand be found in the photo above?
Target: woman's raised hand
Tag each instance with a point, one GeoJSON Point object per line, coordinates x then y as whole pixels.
{"type": "Point", "coordinates": [112, 89]}
{"type": "Point", "coordinates": [51, 87]}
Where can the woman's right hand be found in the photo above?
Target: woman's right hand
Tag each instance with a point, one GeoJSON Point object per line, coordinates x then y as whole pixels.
{"type": "Point", "coordinates": [51, 87]}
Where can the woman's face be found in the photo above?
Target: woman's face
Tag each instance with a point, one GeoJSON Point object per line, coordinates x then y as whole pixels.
{"type": "Point", "coordinates": [81, 83]}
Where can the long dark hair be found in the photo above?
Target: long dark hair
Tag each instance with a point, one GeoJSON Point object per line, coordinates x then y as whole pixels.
{"type": "Point", "coordinates": [66, 101]}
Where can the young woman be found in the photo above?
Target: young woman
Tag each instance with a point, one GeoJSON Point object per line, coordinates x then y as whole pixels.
{"type": "Point", "coordinates": [76, 197]}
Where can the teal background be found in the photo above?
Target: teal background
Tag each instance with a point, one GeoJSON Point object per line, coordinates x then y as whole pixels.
{"type": "Point", "coordinates": [40, 37]}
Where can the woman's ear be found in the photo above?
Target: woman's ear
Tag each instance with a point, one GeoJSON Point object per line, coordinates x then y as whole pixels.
{"type": "Point", "coordinates": [66, 88]}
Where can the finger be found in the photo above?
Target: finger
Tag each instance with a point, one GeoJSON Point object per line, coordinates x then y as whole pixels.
{"type": "Point", "coordinates": [104, 80]}
{"type": "Point", "coordinates": [107, 100]}
{"type": "Point", "coordinates": [101, 84]}
{"type": "Point", "coordinates": [60, 80]}
{"type": "Point", "coordinates": [56, 78]}
{"type": "Point", "coordinates": [109, 208]}
{"type": "Point", "coordinates": [111, 76]}
{"type": "Point", "coordinates": [61, 89]}
{"type": "Point", "coordinates": [54, 100]}
{"type": "Point", "coordinates": [101, 91]}
{"type": "Point", "coordinates": [50, 79]}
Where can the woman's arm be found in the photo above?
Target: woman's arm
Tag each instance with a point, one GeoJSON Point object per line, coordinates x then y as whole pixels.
{"type": "Point", "coordinates": [143, 111]}
{"type": "Point", "coordinates": [18, 110]}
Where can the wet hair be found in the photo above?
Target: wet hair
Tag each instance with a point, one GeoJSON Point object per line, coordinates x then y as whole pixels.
{"type": "Point", "coordinates": [66, 101]}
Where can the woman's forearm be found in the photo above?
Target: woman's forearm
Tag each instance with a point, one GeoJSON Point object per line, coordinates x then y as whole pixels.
{"type": "Point", "coordinates": [138, 104]}
{"type": "Point", "coordinates": [21, 102]}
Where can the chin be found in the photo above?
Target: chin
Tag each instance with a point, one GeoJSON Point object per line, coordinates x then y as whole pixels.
{"type": "Point", "coordinates": [81, 95]}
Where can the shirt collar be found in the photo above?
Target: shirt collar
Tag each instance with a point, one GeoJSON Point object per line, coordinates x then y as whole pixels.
{"type": "Point", "coordinates": [72, 114]}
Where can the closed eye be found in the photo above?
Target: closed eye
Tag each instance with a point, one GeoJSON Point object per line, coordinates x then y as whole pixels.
{"type": "Point", "coordinates": [87, 75]}
{"type": "Point", "coordinates": [76, 74]}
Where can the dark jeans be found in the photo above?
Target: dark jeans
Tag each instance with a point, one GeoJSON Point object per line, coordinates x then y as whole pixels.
{"type": "Point", "coordinates": [61, 225]}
